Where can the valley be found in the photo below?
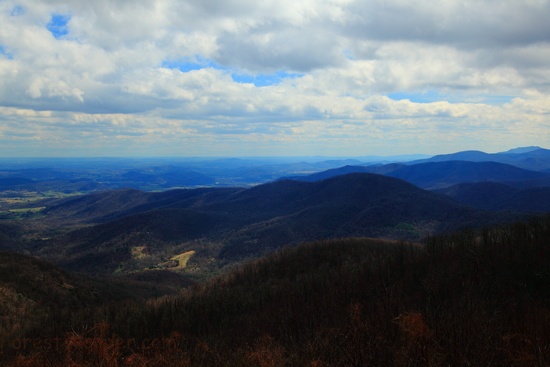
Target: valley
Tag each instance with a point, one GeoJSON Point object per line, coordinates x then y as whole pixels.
{"type": "Point", "coordinates": [96, 228]}
{"type": "Point", "coordinates": [101, 239]}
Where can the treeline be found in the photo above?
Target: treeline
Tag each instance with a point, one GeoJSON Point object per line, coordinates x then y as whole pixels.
{"type": "Point", "coordinates": [473, 298]}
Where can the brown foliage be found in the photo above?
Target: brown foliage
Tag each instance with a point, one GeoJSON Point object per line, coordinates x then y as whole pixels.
{"type": "Point", "coordinates": [475, 299]}
{"type": "Point", "coordinates": [266, 353]}
{"type": "Point", "coordinates": [417, 346]}
{"type": "Point", "coordinates": [413, 326]}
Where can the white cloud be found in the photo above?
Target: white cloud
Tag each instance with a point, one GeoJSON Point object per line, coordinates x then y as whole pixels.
{"type": "Point", "coordinates": [465, 58]}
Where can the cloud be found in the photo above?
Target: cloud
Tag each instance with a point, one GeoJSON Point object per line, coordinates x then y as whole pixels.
{"type": "Point", "coordinates": [279, 73]}
{"type": "Point", "coordinates": [467, 24]}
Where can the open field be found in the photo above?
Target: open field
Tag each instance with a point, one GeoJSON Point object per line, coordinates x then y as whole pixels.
{"type": "Point", "coordinates": [21, 213]}
{"type": "Point", "coordinates": [182, 259]}
{"type": "Point", "coordinates": [11, 199]}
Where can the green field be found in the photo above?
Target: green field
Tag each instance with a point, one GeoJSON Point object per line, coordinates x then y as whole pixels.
{"type": "Point", "coordinates": [21, 213]}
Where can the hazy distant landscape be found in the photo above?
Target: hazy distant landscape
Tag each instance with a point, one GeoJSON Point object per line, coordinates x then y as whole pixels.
{"type": "Point", "coordinates": [102, 216]}
{"type": "Point", "coordinates": [82, 235]}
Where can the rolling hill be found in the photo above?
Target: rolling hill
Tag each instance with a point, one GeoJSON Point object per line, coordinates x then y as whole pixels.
{"type": "Point", "coordinates": [10, 236]}
{"type": "Point", "coordinates": [342, 206]}
{"type": "Point", "coordinates": [499, 197]}
{"type": "Point", "coordinates": [476, 298]}
{"type": "Point", "coordinates": [530, 158]}
{"type": "Point", "coordinates": [112, 204]}
{"type": "Point", "coordinates": [230, 224]}
{"type": "Point", "coordinates": [31, 290]}
{"type": "Point", "coordinates": [434, 175]}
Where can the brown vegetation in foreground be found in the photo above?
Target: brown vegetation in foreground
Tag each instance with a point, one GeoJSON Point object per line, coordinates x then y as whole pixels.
{"type": "Point", "coordinates": [467, 299]}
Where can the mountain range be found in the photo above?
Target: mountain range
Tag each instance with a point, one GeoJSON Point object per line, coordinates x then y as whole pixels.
{"type": "Point", "coordinates": [531, 158]}
{"type": "Point", "coordinates": [434, 175]}
{"type": "Point", "coordinates": [130, 230]}
{"type": "Point", "coordinates": [100, 232]}
{"type": "Point", "coordinates": [84, 175]}
{"type": "Point", "coordinates": [440, 261]}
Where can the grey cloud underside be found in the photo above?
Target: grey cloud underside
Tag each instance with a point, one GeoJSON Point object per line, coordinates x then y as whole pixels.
{"type": "Point", "coordinates": [464, 24]}
{"type": "Point", "coordinates": [297, 50]}
{"type": "Point", "coordinates": [355, 66]}
{"type": "Point", "coordinates": [256, 37]}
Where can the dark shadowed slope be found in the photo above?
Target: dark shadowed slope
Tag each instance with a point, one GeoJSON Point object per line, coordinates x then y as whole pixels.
{"type": "Point", "coordinates": [109, 205]}
{"type": "Point", "coordinates": [32, 290]}
{"type": "Point", "coordinates": [497, 197]}
{"type": "Point", "coordinates": [351, 205]}
{"type": "Point", "coordinates": [104, 247]}
{"type": "Point", "coordinates": [474, 298]}
{"type": "Point", "coordinates": [10, 236]}
{"type": "Point", "coordinates": [93, 206]}
{"type": "Point", "coordinates": [249, 222]}
{"type": "Point", "coordinates": [443, 174]}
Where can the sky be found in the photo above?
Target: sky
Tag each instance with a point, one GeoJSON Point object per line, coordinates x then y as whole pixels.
{"type": "Point", "coordinates": [272, 77]}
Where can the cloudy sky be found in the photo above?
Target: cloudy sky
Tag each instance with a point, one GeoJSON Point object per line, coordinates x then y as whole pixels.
{"type": "Point", "coordinates": [272, 77]}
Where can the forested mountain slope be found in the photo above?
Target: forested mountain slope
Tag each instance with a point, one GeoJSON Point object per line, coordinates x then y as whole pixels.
{"type": "Point", "coordinates": [236, 223]}
{"type": "Point", "coordinates": [474, 298]}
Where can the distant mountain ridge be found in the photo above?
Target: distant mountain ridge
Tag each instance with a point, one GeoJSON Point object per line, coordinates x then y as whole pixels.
{"type": "Point", "coordinates": [76, 176]}
{"type": "Point", "coordinates": [530, 158]}
{"type": "Point", "coordinates": [247, 222]}
{"type": "Point", "coordinates": [521, 150]}
{"type": "Point", "coordinates": [432, 175]}
{"type": "Point", "coordinates": [436, 175]}
{"type": "Point", "coordinates": [128, 229]}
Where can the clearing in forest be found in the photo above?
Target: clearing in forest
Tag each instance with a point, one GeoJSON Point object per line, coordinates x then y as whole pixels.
{"type": "Point", "coordinates": [182, 259]}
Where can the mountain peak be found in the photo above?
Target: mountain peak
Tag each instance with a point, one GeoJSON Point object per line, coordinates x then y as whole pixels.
{"type": "Point", "coordinates": [520, 150]}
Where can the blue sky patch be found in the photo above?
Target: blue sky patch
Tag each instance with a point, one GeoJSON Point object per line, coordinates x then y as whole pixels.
{"type": "Point", "coordinates": [17, 10]}
{"type": "Point", "coordinates": [182, 66]}
{"type": "Point", "coordinates": [263, 80]}
{"type": "Point", "coordinates": [420, 97]}
{"type": "Point", "coordinates": [259, 80]}
{"type": "Point", "coordinates": [58, 25]}
{"type": "Point", "coordinates": [435, 96]}
{"type": "Point", "coordinates": [196, 63]}
{"type": "Point", "coordinates": [5, 53]}
{"type": "Point", "coordinates": [349, 55]}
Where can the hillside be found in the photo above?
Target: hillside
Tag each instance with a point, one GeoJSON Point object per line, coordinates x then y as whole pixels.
{"type": "Point", "coordinates": [342, 206]}
{"type": "Point", "coordinates": [323, 175]}
{"type": "Point", "coordinates": [468, 298]}
{"type": "Point", "coordinates": [530, 158]}
{"type": "Point", "coordinates": [437, 175]}
{"type": "Point", "coordinates": [94, 206]}
{"type": "Point", "coordinates": [229, 224]}
{"type": "Point", "coordinates": [10, 236]}
{"type": "Point", "coordinates": [112, 204]}
{"type": "Point", "coordinates": [434, 175]}
{"type": "Point", "coordinates": [31, 290]}
{"type": "Point", "coordinates": [137, 239]}
{"type": "Point", "coordinates": [499, 197]}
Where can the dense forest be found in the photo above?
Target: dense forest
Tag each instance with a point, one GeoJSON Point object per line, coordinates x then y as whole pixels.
{"type": "Point", "coordinates": [469, 298]}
